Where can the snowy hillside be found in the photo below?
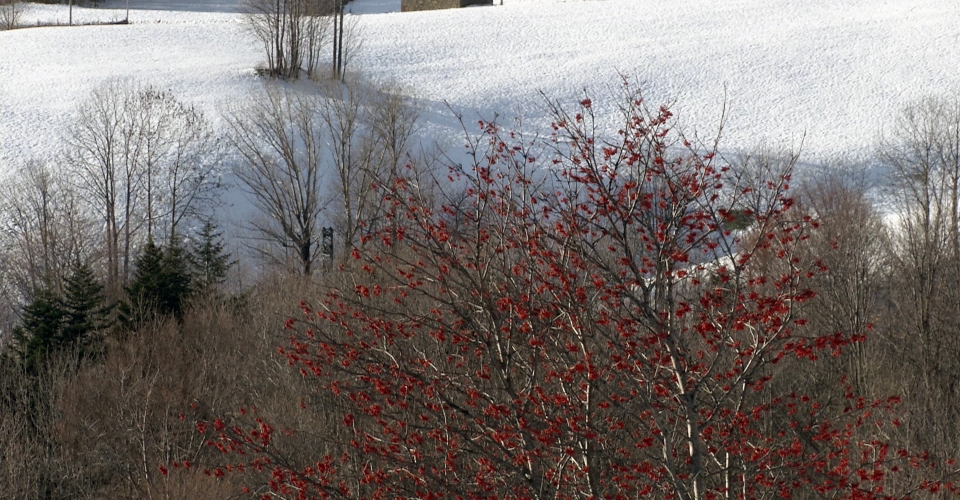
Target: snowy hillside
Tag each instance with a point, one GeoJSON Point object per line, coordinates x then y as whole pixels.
{"type": "Point", "coordinates": [832, 73]}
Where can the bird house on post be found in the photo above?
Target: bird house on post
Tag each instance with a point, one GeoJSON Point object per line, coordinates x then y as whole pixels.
{"type": "Point", "coordinates": [326, 242]}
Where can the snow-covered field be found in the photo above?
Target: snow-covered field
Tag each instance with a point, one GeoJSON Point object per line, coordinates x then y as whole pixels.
{"type": "Point", "coordinates": [832, 73]}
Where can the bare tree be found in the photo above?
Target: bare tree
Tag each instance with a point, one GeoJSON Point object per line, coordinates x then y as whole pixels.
{"type": "Point", "coordinates": [347, 42]}
{"type": "Point", "coordinates": [289, 140]}
{"type": "Point", "coordinates": [315, 26]}
{"type": "Point", "coordinates": [44, 230]}
{"type": "Point", "coordinates": [101, 152]}
{"type": "Point", "coordinates": [370, 130]}
{"type": "Point", "coordinates": [854, 244]}
{"type": "Point", "coordinates": [180, 159]}
{"type": "Point", "coordinates": [279, 138]}
{"type": "Point", "coordinates": [10, 13]}
{"type": "Point", "coordinates": [923, 157]}
{"type": "Point", "coordinates": [351, 152]}
{"type": "Point", "coordinates": [292, 33]}
{"type": "Point", "coordinates": [143, 159]}
{"type": "Point", "coordinates": [393, 117]}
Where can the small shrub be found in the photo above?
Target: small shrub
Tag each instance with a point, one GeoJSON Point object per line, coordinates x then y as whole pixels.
{"type": "Point", "coordinates": [11, 11]}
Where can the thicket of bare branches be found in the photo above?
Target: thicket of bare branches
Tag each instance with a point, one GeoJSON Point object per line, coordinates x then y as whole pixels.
{"type": "Point", "coordinates": [104, 428]}
{"type": "Point", "coordinates": [316, 156]}
{"type": "Point", "coordinates": [11, 12]}
{"type": "Point", "coordinates": [854, 244]}
{"type": "Point", "coordinates": [293, 34]}
{"type": "Point", "coordinates": [886, 273]}
{"type": "Point", "coordinates": [922, 283]}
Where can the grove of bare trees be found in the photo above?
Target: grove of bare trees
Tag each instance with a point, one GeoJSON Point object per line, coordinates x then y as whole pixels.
{"type": "Point", "coordinates": [922, 285]}
{"type": "Point", "coordinates": [296, 34]}
{"type": "Point", "coordinates": [574, 315]}
{"type": "Point", "coordinates": [323, 149]}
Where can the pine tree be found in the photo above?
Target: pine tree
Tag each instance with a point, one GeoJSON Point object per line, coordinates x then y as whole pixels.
{"type": "Point", "coordinates": [160, 286]}
{"type": "Point", "coordinates": [84, 306]}
{"type": "Point", "coordinates": [144, 291]}
{"type": "Point", "coordinates": [145, 288]}
{"type": "Point", "coordinates": [39, 332]}
{"type": "Point", "coordinates": [209, 262]}
{"type": "Point", "coordinates": [176, 280]}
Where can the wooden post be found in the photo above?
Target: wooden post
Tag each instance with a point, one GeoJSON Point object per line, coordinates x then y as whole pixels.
{"type": "Point", "coordinates": [340, 45]}
{"type": "Point", "coordinates": [336, 65]}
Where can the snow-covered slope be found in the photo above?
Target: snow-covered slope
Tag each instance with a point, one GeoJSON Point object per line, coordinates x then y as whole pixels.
{"type": "Point", "coordinates": [830, 72]}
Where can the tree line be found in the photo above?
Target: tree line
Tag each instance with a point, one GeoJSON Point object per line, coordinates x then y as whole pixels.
{"type": "Point", "coordinates": [118, 235]}
{"type": "Point", "coordinates": [625, 315]}
{"type": "Point", "coordinates": [575, 315]}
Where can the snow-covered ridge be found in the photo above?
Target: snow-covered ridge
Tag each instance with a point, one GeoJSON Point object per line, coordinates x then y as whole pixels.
{"type": "Point", "coordinates": [832, 72]}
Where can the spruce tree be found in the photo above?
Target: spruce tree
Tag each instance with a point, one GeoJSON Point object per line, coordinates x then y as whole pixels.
{"type": "Point", "coordinates": [160, 286]}
{"type": "Point", "coordinates": [84, 306]}
{"type": "Point", "coordinates": [39, 331]}
{"type": "Point", "coordinates": [148, 276]}
{"type": "Point", "coordinates": [145, 289]}
{"type": "Point", "coordinates": [209, 262]}
{"type": "Point", "coordinates": [177, 280]}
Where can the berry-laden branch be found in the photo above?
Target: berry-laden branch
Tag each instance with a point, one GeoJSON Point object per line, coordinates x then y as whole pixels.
{"type": "Point", "coordinates": [582, 316]}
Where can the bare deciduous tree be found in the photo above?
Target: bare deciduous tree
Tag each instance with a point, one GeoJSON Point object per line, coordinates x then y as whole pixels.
{"type": "Point", "coordinates": [346, 40]}
{"type": "Point", "coordinates": [292, 33]}
{"type": "Point", "coordinates": [854, 245]}
{"type": "Point", "coordinates": [279, 138]}
{"type": "Point", "coordinates": [142, 158]}
{"type": "Point", "coordinates": [290, 140]}
{"type": "Point", "coordinates": [10, 13]}
{"type": "Point", "coordinates": [180, 160]}
{"type": "Point", "coordinates": [315, 26]}
{"type": "Point", "coordinates": [45, 228]}
{"type": "Point", "coordinates": [923, 156]}
{"type": "Point", "coordinates": [102, 150]}
{"type": "Point", "coordinates": [370, 130]}
{"type": "Point", "coordinates": [351, 151]}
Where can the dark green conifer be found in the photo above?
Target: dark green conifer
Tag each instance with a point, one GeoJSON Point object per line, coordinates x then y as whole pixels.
{"type": "Point", "coordinates": [177, 280]}
{"type": "Point", "coordinates": [209, 261]}
{"type": "Point", "coordinates": [84, 306]}
{"type": "Point", "coordinates": [160, 286]}
{"type": "Point", "coordinates": [145, 289]}
{"type": "Point", "coordinates": [39, 332]}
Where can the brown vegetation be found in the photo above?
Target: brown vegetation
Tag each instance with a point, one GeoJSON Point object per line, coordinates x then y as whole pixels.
{"type": "Point", "coordinates": [837, 329]}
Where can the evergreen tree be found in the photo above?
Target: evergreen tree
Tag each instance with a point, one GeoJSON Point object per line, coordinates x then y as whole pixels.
{"type": "Point", "coordinates": [145, 289]}
{"type": "Point", "coordinates": [209, 262]}
{"type": "Point", "coordinates": [84, 305]}
{"type": "Point", "coordinates": [51, 323]}
{"type": "Point", "coordinates": [39, 331]}
{"type": "Point", "coordinates": [177, 280]}
{"type": "Point", "coordinates": [160, 286]}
